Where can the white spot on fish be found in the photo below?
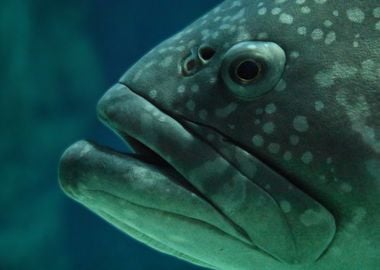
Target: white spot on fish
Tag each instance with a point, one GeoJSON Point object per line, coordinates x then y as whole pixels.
{"type": "Point", "coordinates": [213, 80]}
{"type": "Point", "coordinates": [137, 75]}
{"type": "Point", "coordinates": [270, 108]}
{"type": "Point", "coordinates": [370, 70]}
{"type": "Point", "coordinates": [87, 148]}
{"type": "Point", "coordinates": [319, 106]}
{"type": "Point", "coordinates": [288, 155]}
{"type": "Point", "coordinates": [239, 15]}
{"type": "Point", "coordinates": [162, 118]}
{"type": "Point", "coordinates": [317, 34]}
{"type": "Point", "coordinates": [307, 157]}
{"type": "Point", "coordinates": [194, 88]}
{"type": "Point", "coordinates": [268, 128]}
{"type": "Point", "coordinates": [300, 124]}
{"type": "Point", "coordinates": [167, 61]}
{"type": "Point", "coordinates": [305, 10]}
{"type": "Point", "coordinates": [327, 78]}
{"type": "Point", "coordinates": [311, 217]}
{"type": "Point", "coordinates": [376, 12]}
{"type": "Point", "coordinates": [285, 206]}
{"type": "Point", "coordinates": [153, 94]}
{"type": "Point", "coordinates": [302, 30]}
{"type": "Point", "coordinates": [327, 23]}
{"type": "Point", "coordinates": [262, 11]}
{"type": "Point", "coordinates": [205, 34]}
{"type": "Point", "coordinates": [258, 140]}
{"type": "Point", "coordinates": [345, 187]}
{"type": "Point", "coordinates": [180, 48]}
{"type": "Point", "coordinates": [236, 4]}
{"type": "Point", "coordinates": [286, 18]}
{"type": "Point", "coordinates": [358, 216]}
{"type": "Point", "coordinates": [215, 35]}
{"type": "Point", "coordinates": [262, 35]}
{"type": "Point", "coordinates": [355, 15]}
{"type": "Point", "coordinates": [294, 139]}
{"type": "Point", "coordinates": [377, 26]}
{"type": "Point", "coordinates": [217, 19]}
{"type": "Point", "coordinates": [181, 89]}
{"type": "Point", "coordinates": [294, 54]}
{"type": "Point", "coordinates": [276, 11]}
{"type": "Point", "coordinates": [358, 111]}
{"type": "Point", "coordinates": [330, 38]}
{"type": "Point", "coordinates": [274, 148]}
{"type": "Point", "coordinates": [226, 18]}
{"type": "Point", "coordinates": [151, 63]}
{"type": "Point", "coordinates": [217, 10]}
{"type": "Point", "coordinates": [225, 26]}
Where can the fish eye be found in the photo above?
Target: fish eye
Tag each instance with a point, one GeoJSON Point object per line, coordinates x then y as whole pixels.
{"type": "Point", "coordinates": [252, 68]}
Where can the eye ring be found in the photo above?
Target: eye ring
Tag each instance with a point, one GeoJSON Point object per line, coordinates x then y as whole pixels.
{"type": "Point", "coordinates": [264, 63]}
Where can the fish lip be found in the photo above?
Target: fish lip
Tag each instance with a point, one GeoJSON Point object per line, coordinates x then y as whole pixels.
{"type": "Point", "coordinates": [104, 116]}
{"type": "Point", "coordinates": [77, 165]}
{"type": "Point", "coordinates": [122, 108]}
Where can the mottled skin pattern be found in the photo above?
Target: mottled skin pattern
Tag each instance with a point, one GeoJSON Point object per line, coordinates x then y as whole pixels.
{"type": "Point", "coordinates": [310, 148]}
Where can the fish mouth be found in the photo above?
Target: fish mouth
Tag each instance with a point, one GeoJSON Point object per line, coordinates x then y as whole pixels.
{"type": "Point", "coordinates": [176, 176]}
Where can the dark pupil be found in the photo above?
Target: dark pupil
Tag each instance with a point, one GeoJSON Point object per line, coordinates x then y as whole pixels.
{"type": "Point", "coordinates": [248, 70]}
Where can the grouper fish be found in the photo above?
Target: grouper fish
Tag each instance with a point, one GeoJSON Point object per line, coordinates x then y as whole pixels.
{"type": "Point", "coordinates": [256, 140]}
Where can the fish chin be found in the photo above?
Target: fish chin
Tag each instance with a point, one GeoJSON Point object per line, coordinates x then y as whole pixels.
{"type": "Point", "coordinates": [137, 197]}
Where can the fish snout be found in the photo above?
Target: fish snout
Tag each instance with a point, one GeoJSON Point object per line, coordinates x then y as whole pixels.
{"type": "Point", "coordinates": [71, 167]}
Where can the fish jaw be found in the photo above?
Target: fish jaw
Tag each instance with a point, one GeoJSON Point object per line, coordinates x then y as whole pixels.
{"type": "Point", "coordinates": [245, 210]}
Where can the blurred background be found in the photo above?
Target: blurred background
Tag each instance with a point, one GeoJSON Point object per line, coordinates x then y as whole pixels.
{"type": "Point", "coordinates": [57, 58]}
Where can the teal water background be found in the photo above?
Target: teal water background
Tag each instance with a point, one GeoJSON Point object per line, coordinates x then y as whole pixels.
{"type": "Point", "coordinates": [57, 58]}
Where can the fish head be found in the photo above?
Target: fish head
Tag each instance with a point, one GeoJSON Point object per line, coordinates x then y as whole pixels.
{"type": "Point", "coordinates": [265, 119]}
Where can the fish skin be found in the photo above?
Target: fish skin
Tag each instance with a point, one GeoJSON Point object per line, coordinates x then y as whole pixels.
{"type": "Point", "coordinates": [318, 130]}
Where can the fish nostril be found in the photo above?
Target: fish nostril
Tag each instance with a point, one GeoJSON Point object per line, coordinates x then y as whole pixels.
{"type": "Point", "coordinates": [189, 66]}
{"type": "Point", "coordinates": [206, 53]}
